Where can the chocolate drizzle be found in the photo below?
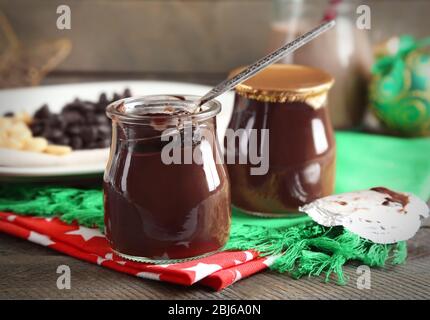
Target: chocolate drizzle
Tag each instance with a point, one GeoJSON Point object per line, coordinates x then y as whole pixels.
{"type": "Point", "coordinates": [342, 203]}
{"type": "Point", "coordinates": [393, 196]}
{"type": "Point", "coordinates": [182, 98]}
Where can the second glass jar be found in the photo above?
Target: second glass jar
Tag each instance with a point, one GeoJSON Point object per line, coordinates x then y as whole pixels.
{"type": "Point", "coordinates": [285, 105]}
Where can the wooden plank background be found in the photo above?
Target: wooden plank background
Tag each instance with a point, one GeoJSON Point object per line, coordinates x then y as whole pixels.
{"type": "Point", "coordinates": [164, 38]}
{"type": "Point", "coordinates": [150, 36]}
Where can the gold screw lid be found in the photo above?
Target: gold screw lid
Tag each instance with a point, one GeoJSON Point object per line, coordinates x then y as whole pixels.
{"type": "Point", "coordinates": [283, 82]}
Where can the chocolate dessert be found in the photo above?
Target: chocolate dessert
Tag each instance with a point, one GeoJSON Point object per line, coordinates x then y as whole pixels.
{"type": "Point", "coordinates": [158, 211]}
{"type": "Point", "coordinates": [301, 152]}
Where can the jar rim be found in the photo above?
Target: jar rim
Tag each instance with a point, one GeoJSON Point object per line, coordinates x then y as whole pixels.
{"type": "Point", "coordinates": [286, 82]}
{"type": "Point", "coordinates": [291, 78]}
{"type": "Point", "coordinates": [126, 110]}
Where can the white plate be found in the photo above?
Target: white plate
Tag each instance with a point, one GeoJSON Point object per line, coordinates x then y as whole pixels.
{"type": "Point", "coordinates": [56, 96]}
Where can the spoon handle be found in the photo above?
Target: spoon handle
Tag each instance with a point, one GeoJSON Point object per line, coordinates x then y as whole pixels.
{"type": "Point", "coordinates": [267, 60]}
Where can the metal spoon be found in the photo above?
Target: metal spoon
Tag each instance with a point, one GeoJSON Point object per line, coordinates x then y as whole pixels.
{"type": "Point", "coordinates": [262, 63]}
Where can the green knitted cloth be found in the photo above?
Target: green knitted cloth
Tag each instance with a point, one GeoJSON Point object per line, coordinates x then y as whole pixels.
{"type": "Point", "coordinates": [301, 246]}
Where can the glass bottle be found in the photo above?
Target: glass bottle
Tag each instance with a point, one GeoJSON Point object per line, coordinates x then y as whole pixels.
{"type": "Point", "coordinates": [345, 51]}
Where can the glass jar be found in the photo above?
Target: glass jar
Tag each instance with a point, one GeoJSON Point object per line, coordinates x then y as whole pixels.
{"type": "Point", "coordinates": [166, 189]}
{"type": "Point", "coordinates": [285, 105]}
{"type": "Point", "coordinates": [345, 51]}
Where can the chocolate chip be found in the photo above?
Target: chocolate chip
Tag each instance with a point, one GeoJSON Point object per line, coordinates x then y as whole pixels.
{"type": "Point", "coordinates": [43, 112]}
{"type": "Point", "coordinates": [73, 116]}
{"type": "Point", "coordinates": [91, 145]}
{"type": "Point", "coordinates": [88, 106]}
{"type": "Point", "coordinates": [103, 98]}
{"type": "Point", "coordinates": [53, 121]}
{"type": "Point", "coordinates": [74, 130]}
{"type": "Point", "coordinates": [101, 119]}
{"type": "Point", "coordinates": [63, 140]}
{"type": "Point", "coordinates": [76, 143]}
{"type": "Point", "coordinates": [102, 143]}
{"type": "Point", "coordinates": [37, 127]}
{"type": "Point", "coordinates": [89, 134]}
{"type": "Point", "coordinates": [103, 130]}
{"type": "Point", "coordinates": [54, 134]}
{"type": "Point", "coordinates": [127, 93]}
{"type": "Point", "coordinates": [81, 107]}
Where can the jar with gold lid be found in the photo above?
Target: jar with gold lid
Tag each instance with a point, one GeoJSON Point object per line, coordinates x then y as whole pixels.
{"type": "Point", "coordinates": [280, 117]}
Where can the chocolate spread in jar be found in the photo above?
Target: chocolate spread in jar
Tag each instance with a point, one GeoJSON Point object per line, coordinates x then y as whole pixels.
{"type": "Point", "coordinates": [159, 211]}
{"type": "Point", "coordinates": [301, 143]}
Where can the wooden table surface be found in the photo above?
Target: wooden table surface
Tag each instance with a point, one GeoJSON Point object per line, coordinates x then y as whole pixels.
{"type": "Point", "coordinates": [28, 271]}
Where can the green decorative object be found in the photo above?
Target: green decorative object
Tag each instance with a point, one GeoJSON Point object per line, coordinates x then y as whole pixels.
{"type": "Point", "coordinates": [400, 88]}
